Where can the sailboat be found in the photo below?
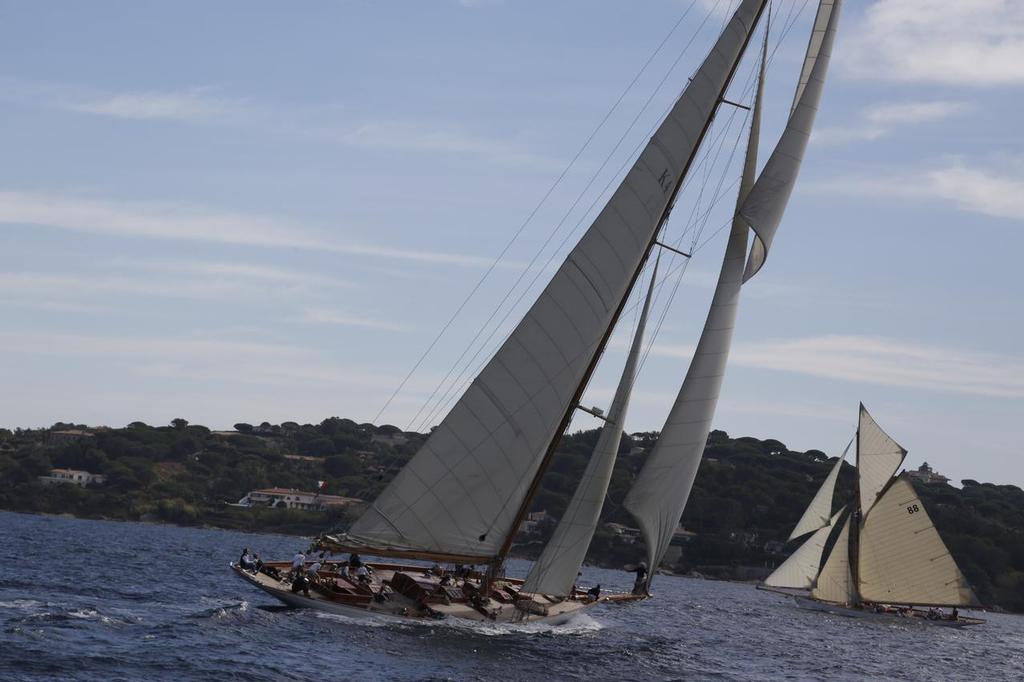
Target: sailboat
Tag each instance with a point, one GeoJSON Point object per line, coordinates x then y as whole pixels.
{"type": "Point", "coordinates": [886, 558]}
{"type": "Point", "coordinates": [461, 498]}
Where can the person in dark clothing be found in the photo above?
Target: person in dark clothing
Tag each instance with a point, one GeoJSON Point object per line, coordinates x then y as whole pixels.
{"type": "Point", "coordinates": [300, 584]}
{"type": "Point", "coordinates": [354, 561]}
{"type": "Point", "coordinates": [595, 592]}
{"type": "Point", "coordinates": [640, 584]}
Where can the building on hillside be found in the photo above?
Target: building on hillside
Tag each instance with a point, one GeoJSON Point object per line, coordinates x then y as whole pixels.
{"type": "Point", "coordinates": [66, 436]}
{"type": "Point", "coordinates": [925, 474]}
{"type": "Point", "coordinates": [393, 439]}
{"type": "Point", "coordinates": [630, 536]}
{"type": "Point", "coordinates": [74, 476]}
{"type": "Point", "coordinates": [534, 521]}
{"type": "Point", "coordinates": [291, 498]}
{"type": "Point", "coordinates": [680, 538]}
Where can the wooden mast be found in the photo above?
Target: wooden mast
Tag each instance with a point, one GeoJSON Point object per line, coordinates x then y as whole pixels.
{"type": "Point", "coordinates": [499, 560]}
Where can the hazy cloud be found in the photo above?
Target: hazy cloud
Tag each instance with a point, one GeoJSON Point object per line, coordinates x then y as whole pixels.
{"type": "Point", "coordinates": [879, 120]}
{"type": "Point", "coordinates": [957, 42]}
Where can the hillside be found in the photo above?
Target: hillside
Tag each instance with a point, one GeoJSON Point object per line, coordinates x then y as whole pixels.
{"type": "Point", "coordinates": [746, 498]}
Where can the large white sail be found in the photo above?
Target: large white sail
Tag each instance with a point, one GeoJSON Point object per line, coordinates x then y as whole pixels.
{"type": "Point", "coordinates": [902, 558]}
{"type": "Point", "coordinates": [817, 513]}
{"type": "Point", "coordinates": [800, 567]}
{"type": "Point", "coordinates": [659, 493]}
{"type": "Point", "coordinates": [460, 495]}
{"type": "Point", "coordinates": [766, 201]}
{"type": "Point", "coordinates": [834, 583]}
{"type": "Point", "coordinates": [554, 572]}
{"type": "Point", "coordinates": [878, 458]}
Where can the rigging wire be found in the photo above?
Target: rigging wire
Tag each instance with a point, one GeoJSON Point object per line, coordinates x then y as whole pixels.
{"type": "Point", "coordinates": [535, 210]}
{"type": "Point", "coordinates": [458, 382]}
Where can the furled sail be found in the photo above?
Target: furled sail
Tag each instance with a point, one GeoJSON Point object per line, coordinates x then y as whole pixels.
{"type": "Point", "coordinates": [817, 513]}
{"type": "Point", "coordinates": [834, 583]}
{"type": "Point", "coordinates": [461, 494]}
{"type": "Point", "coordinates": [902, 558]}
{"type": "Point", "coordinates": [878, 458]}
{"type": "Point", "coordinates": [554, 572]}
{"type": "Point", "coordinates": [800, 567]}
{"type": "Point", "coordinates": [766, 202]}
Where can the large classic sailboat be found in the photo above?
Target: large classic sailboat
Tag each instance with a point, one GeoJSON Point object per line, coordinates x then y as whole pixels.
{"type": "Point", "coordinates": [460, 500]}
{"type": "Point", "coordinates": [887, 556]}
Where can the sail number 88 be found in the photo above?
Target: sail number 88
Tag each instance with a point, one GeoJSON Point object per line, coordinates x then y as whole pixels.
{"type": "Point", "coordinates": [913, 508]}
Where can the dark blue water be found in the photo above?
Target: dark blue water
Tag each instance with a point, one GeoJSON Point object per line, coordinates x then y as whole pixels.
{"type": "Point", "coordinates": [92, 600]}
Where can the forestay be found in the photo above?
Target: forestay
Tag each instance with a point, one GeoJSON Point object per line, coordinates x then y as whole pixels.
{"type": "Point", "coordinates": [554, 572]}
{"type": "Point", "coordinates": [817, 513]}
{"type": "Point", "coordinates": [461, 493]}
{"type": "Point", "coordinates": [878, 458]}
{"type": "Point", "coordinates": [902, 558]}
{"type": "Point", "coordinates": [766, 202]}
{"type": "Point", "coordinates": [834, 583]}
{"type": "Point", "coordinates": [799, 569]}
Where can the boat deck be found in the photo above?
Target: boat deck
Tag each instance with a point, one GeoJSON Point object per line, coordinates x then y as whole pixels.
{"type": "Point", "coordinates": [889, 613]}
{"type": "Point", "coordinates": [407, 591]}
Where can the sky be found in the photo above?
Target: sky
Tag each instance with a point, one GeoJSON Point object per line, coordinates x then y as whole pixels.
{"type": "Point", "coordinates": [249, 211]}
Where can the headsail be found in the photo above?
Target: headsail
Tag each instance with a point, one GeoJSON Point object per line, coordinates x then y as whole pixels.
{"type": "Point", "coordinates": [902, 558]}
{"type": "Point", "coordinates": [766, 202]}
{"type": "Point", "coordinates": [462, 493]}
{"type": "Point", "coordinates": [834, 583]}
{"type": "Point", "coordinates": [878, 458]}
{"type": "Point", "coordinates": [555, 571]}
{"type": "Point", "coordinates": [800, 568]}
{"type": "Point", "coordinates": [817, 513]}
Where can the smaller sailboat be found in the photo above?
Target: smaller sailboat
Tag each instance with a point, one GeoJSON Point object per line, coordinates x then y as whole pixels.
{"type": "Point", "coordinates": [887, 559]}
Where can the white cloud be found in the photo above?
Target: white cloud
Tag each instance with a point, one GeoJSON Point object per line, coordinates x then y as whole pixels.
{"type": "Point", "coordinates": [880, 120]}
{"type": "Point", "coordinates": [988, 191]}
{"type": "Point", "coordinates": [168, 220]}
{"type": "Point", "coordinates": [881, 361]}
{"type": "Point", "coordinates": [346, 319]}
{"type": "Point", "coordinates": [958, 42]}
{"type": "Point", "coordinates": [188, 105]}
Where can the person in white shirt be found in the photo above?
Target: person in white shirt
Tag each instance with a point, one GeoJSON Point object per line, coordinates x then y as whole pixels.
{"type": "Point", "coordinates": [312, 571]}
{"type": "Point", "coordinates": [362, 574]}
{"type": "Point", "coordinates": [298, 561]}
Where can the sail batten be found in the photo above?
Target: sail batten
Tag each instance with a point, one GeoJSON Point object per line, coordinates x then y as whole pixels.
{"type": "Point", "coordinates": [554, 572]}
{"type": "Point", "coordinates": [462, 493]}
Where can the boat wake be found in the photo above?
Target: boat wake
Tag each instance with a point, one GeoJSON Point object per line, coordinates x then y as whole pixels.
{"type": "Point", "coordinates": [580, 625]}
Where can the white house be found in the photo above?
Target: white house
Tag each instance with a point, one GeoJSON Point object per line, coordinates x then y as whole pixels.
{"type": "Point", "coordinates": [75, 476]}
{"type": "Point", "coordinates": [291, 498]}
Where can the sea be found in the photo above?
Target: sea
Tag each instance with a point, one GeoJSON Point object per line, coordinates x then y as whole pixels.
{"type": "Point", "coordinates": [99, 600]}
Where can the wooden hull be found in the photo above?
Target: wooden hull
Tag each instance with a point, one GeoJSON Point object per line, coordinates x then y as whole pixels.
{"type": "Point", "coordinates": [914, 616]}
{"type": "Point", "coordinates": [402, 608]}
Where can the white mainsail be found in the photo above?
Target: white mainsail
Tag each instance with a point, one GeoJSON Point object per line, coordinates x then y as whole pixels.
{"type": "Point", "coordinates": [800, 567]}
{"type": "Point", "coordinates": [878, 458]}
{"type": "Point", "coordinates": [834, 583]}
{"type": "Point", "coordinates": [902, 559]}
{"type": "Point", "coordinates": [554, 572]}
{"type": "Point", "coordinates": [766, 201]}
{"type": "Point", "coordinates": [461, 494]}
{"type": "Point", "coordinates": [817, 513]}
{"type": "Point", "coordinates": [659, 495]}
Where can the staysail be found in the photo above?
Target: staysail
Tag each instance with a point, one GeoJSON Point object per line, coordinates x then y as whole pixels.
{"type": "Point", "coordinates": [817, 513]}
{"type": "Point", "coordinates": [554, 572]}
{"type": "Point", "coordinates": [878, 458]}
{"type": "Point", "coordinates": [659, 493]}
{"type": "Point", "coordinates": [800, 568]}
{"type": "Point", "coordinates": [462, 493]}
{"type": "Point", "coordinates": [902, 558]}
{"type": "Point", "coordinates": [766, 201]}
{"type": "Point", "coordinates": [834, 583]}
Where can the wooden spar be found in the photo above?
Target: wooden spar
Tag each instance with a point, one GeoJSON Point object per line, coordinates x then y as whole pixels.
{"type": "Point", "coordinates": [333, 545]}
{"type": "Point", "coordinates": [531, 492]}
